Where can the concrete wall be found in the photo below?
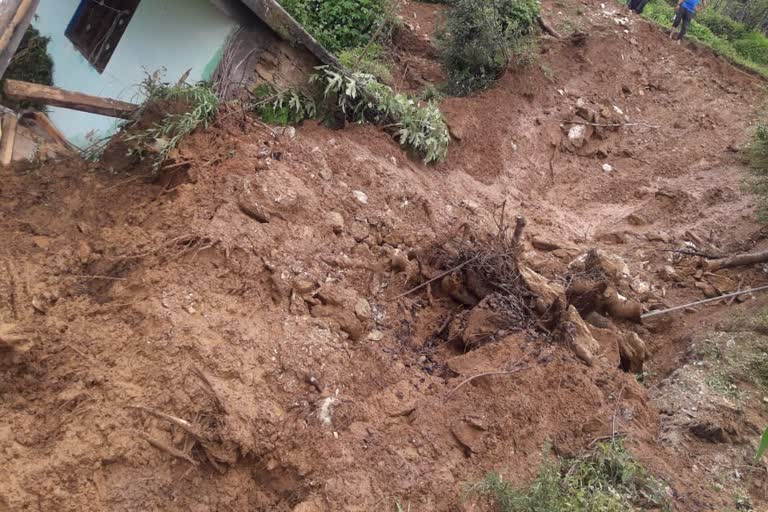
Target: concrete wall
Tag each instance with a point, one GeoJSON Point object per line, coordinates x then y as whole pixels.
{"type": "Point", "coordinates": [171, 34]}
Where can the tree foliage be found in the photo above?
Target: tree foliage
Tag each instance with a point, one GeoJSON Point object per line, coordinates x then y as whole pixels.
{"type": "Point", "coordinates": [480, 37]}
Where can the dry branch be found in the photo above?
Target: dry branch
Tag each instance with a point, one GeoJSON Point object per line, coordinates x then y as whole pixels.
{"type": "Point", "coordinates": [549, 29]}
{"type": "Point", "coordinates": [167, 448]}
{"type": "Point", "coordinates": [10, 122]}
{"type": "Point", "coordinates": [486, 374]}
{"type": "Point", "coordinates": [737, 261]}
{"type": "Point", "coordinates": [182, 424]}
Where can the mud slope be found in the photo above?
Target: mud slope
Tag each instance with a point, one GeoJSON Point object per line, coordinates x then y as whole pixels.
{"type": "Point", "coordinates": [252, 294]}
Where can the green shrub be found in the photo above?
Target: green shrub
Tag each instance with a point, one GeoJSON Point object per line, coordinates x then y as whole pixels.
{"type": "Point", "coordinates": [606, 480]}
{"type": "Point", "coordinates": [479, 39]}
{"type": "Point", "coordinates": [338, 24]}
{"type": "Point", "coordinates": [282, 107]}
{"type": "Point", "coordinates": [362, 98]}
{"type": "Point", "coordinates": [189, 107]}
{"type": "Point", "coordinates": [721, 25]}
{"type": "Point", "coordinates": [30, 63]}
{"type": "Point", "coordinates": [753, 46]}
{"type": "Point", "coordinates": [757, 153]}
{"type": "Point", "coordinates": [373, 62]}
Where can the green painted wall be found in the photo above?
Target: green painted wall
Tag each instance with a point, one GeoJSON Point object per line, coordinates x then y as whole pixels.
{"type": "Point", "coordinates": [171, 34]}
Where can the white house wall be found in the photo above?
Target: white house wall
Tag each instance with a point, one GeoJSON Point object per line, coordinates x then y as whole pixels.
{"type": "Point", "coordinates": [173, 34]}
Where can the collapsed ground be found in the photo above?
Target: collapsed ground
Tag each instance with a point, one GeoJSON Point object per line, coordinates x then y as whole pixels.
{"type": "Point", "coordinates": [253, 293]}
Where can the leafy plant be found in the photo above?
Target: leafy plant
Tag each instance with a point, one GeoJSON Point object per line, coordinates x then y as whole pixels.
{"type": "Point", "coordinates": [373, 61]}
{"type": "Point", "coordinates": [186, 107]}
{"type": "Point", "coordinates": [338, 24]}
{"type": "Point", "coordinates": [762, 447]}
{"type": "Point", "coordinates": [608, 480]}
{"type": "Point", "coordinates": [284, 107]}
{"type": "Point", "coordinates": [360, 97]}
{"type": "Point", "coordinates": [479, 39]}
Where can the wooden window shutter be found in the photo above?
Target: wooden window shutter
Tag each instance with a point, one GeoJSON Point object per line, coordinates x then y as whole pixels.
{"type": "Point", "coordinates": [97, 27]}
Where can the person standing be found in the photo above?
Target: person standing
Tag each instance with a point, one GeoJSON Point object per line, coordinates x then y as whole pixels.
{"type": "Point", "coordinates": [637, 5]}
{"type": "Point", "coordinates": [686, 10]}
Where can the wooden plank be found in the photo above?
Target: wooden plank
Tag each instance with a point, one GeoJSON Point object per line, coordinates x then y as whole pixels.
{"type": "Point", "coordinates": [68, 99]}
{"type": "Point", "coordinates": [9, 138]}
{"type": "Point", "coordinates": [49, 128]}
{"type": "Point", "coordinates": [278, 19]}
{"type": "Point", "coordinates": [14, 22]}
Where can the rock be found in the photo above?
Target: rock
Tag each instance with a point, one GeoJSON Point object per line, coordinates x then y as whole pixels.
{"type": "Point", "coordinates": [83, 252]}
{"type": "Point", "coordinates": [607, 168]}
{"type": "Point", "coordinates": [633, 352]}
{"type": "Point", "coordinates": [708, 289]}
{"type": "Point", "coordinates": [360, 196]}
{"type": "Point", "coordinates": [584, 345]}
{"type": "Point", "coordinates": [470, 205]}
{"type": "Point", "coordinates": [636, 219]}
{"type": "Point", "coordinates": [614, 237]}
{"type": "Point", "coordinates": [326, 174]}
{"type": "Point", "coordinates": [363, 309]}
{"type": "Point", "coordinates": [595, 319]}
{"type": "Point", "coordinates": [399, 261]}
{"type": "Point", "coordinates": [722, 284]}
{"type": "Point", "coordinates": [662, 236]}
{"type": "Point", "coordinates": [43, 242]}
{"type": "Point", "coordinates": [303, 286]}
{"type": "Point", "coordinates": [715, 433]}
{"type": "Point", "coordinates": [336, 221]}
{"type": "Point", "coordinates": [469, 436]}
{"type": "Point", "coordinates": [310, 506]}
{"type": "Point", "coordinates": [639, 285]}
{"type": "Point", "coordinates": [577, 135]}
{"type": "Point", "coordinates": [359, 231]}
{"type": "Point", "coordinates": [375, 335]}
{"type": "Point", "coordinates": [546, 292]}
{"type": "Point", "coordinates": [543, 244]}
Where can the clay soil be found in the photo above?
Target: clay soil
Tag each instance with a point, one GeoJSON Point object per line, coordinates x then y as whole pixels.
{"type": "Point", "coordinates": [308, 384]}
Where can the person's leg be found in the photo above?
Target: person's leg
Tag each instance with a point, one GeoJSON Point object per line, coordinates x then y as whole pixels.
{"type": "Point", "coordinates": [640, 6]}
{"type": "Point", "coordinates": [687, 18]}
{"type": "Point", "coordinates": [676, 23]}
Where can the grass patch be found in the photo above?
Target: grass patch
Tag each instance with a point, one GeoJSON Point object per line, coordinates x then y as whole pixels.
{"type": "Point", "coordinates": [725, 37]}
{"type": "Point", "coordinates": [608, 479]}
{"type": "Point", "coordinates": [757, 155]}
{"type": "Point", "coordinates": [737, 358]}
{"type": "Point", "coordinates": [373, 62]}
{"type": "Point", "coordinates": [282, 108]}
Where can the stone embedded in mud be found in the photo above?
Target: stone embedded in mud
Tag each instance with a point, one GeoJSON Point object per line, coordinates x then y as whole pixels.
{"type": "Point", "coordinates": [546, 292]}
{"type": "Point", "coordinates": [584, 345]}
{"type": "Point", "coordinates": [336, 221]}
{"type": "Point", "coordinates": [577, 135]}
{"type": "Point", "coordinates": [470, 205]}
{"type": "Point", "coordinates": [608, 168]}
{"type": "Point", "coordinates": [636, 219]}
{"type": "Point", "coordinates": [722, 283]}
{"type": "Point", "coordinates": [363, 309]}
{"type": "Point", "coordinates": [633, 352]}
{"type": "Point", "coordinates": [543, 244]}
{"type": "Point", "coordinates": [360, 196]}
{"type": "Point", "coordinates": [375, 335]}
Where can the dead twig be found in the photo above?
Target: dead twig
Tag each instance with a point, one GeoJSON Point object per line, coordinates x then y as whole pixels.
{"type": "Point", "coordinates": [691, 252]}
{"type": "Point", "coordinates": [486, 374]}
{"type": "Point", "coordinates": [615, 414]}
{"type": "Point", "coordinates": [168, 449]}
{"type": "Point", "coordinates": [182, 424]}
{"type": "Point", "coordinates": [439, 276]}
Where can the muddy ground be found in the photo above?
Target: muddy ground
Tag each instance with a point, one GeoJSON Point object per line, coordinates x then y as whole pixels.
{"type": "Point", "coordinates": [309, 381]}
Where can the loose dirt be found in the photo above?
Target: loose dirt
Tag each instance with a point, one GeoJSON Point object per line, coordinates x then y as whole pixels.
{"type": "Point", "coordinates": [250, 295]}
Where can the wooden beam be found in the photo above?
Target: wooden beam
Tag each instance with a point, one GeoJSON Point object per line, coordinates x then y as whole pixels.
{"type": "Point", "coordinates": [68, 99]}
{"type": "Point", "coordinates": [18, 18]}
{"type": "Point", "coordinates": [9, 138]}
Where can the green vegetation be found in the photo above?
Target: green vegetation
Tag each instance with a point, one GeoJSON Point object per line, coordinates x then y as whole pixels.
{"type": "Point", "coordinates": [339, 24]}
{"type": "Point", "coordinates": [757, 154]}
{"type": "Point", "coordinates": [480, 38]}
{"type": "Point", "coordinates": [196, 105]}
{"type": "Point", "coordinates": [361, 98]}
{"type": "Point", "coordinates": [762, 447]}
{"type": "Point", "coordinates": [372, 62]}
{"type": "Point", "coordinates": [30, 63]}
{"type": "Point", "coordinates": [282, 107]}
{"type": "Point", "coordinates": [724, 36]}
{"type": "Point", "coordinates": [608, 480]}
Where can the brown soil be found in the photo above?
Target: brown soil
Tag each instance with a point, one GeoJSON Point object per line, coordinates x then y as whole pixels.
{"type": "Point", "coordinates": [276, 335]}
